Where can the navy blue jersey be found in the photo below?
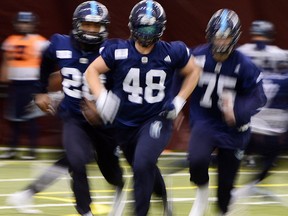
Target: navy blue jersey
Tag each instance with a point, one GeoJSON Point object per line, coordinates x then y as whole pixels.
{"type": "Point", "coordinates": [72, 62]}
{"type": "Point", "coordinates": [273, 118]}
{"type": "Point", "coordinates": [276, 90]}
{"type": "Point", "coordinates": [236, 75]}
{"type": "Point", "coordinates": [143, 82]}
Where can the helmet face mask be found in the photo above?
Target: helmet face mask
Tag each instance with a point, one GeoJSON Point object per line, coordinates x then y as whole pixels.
{"type": "Point", "coordinates": [147, 22]}
{"type": "Point", "coordinates": [90, 12]}
{"type": "Point", "coordinates": [224, 24]}
{"type": "Point", "coordinates": [222, 44]}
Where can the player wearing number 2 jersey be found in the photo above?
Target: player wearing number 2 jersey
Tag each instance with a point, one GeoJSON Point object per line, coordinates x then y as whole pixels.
{"type": "Point", "coordinates": [72, 54]}
{"type": "Point", "coordinates": [228, 93]}
{"type": "Point", "coordinates": [142, 71]}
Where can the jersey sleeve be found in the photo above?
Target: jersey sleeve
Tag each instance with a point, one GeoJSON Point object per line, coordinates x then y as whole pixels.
{"type": "Point", "coordinates": [107, 52]}
{"type": "Point", "coordinates": [48, 64]}
{"type": "Point", "coordinates": [251, 95]}
{"type": "Point", "coordinates": [180, 54]}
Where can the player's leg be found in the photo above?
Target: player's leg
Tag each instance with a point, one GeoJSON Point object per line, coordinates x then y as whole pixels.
{"type": "Point", "coordinates": [13, 140]}
{"type": "Point", "coordinates": [52, 173]}
{"type": "Point", "coordinates": [79, 152]}
{"type": "Point", "coordinates": [33, 132]}
{"type": "Point", "coordinates": [200, 150]}
{"type": "Point", "coordinates": [12, 113]}
{"type": "Point", "coordinates": [24, 198]}
{"type": "Point", "coordinates": [26, 95]}
{"type": "Point", "coordinates": [153, 137]}
{"type": "Point", "coordinates": [107, 157]}
{"type": "Point", "coordinates": [228, 164]}
{"type": "Point", "coordinates": [268, 147]}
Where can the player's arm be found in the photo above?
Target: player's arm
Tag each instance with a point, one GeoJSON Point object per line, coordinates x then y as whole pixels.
{"type": "Point", "coordinates": [4, 70]}
{"type": "Point", "coordinates": [107, 103]}
{"type": "Point", "coordinates": [47, 67]}
{"type": "Point", "coordinates": [191, 73]}
{"type": "Point", "coordinates": [55, 82]}
{"type": "Point", "coordinates": [50, 79]}
{"type": "Point", "coordinates": [248, 103]}
{"type": "Point", "coordinates": [92, 73]}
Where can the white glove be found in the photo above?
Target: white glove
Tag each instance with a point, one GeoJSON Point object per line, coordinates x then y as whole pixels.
{"type": "Point", "coordinates": [107, 104]}
{"type": "Point", "coordinates": [178, 104]}
{"type": "Point", "coordinates": [55, 100]}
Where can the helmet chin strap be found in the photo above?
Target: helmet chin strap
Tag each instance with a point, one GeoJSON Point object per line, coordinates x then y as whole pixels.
{"type": "Point", "coordinates": [222, 56]}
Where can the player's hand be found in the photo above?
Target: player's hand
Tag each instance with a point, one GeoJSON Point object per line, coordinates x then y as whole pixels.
{"type": "Point", "coordinates": [90, 112]}
{"type": "Point", "coordinates": [107, 105]}
{"type": "Point", "coordinates": [227, 106]}
{"type": "Point", "coordinates": [42, 101]}
{"type": "Point", "coordinates": [49, 103]}
{"type": "Point", "coordinates": [55, 100]}
{"type": "Point", "coordinates": [175, 107]}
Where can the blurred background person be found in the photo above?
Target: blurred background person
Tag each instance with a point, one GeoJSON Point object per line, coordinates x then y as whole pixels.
{"type": "Point", "coordinates": [268, 57]}
{"type": "Point", "coordinates": [269, 126]}
{"type": "Point", "coordinates": [20, 69]}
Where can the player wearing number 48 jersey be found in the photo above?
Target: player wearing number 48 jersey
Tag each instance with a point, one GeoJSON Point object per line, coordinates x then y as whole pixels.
{"type": "Point", "coordinates": [228, 93]}
{"type": "Point", "coordinates": [142, 70]}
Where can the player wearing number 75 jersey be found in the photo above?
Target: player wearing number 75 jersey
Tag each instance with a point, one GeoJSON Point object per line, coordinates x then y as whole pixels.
{"type": "Point", "coordinates": [142, 70]}
{"type": "Point", "coordinates": [228, 93]}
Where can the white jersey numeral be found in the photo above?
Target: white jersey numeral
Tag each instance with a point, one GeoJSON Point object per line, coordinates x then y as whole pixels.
{"type": "Point", "coordinates": [74, 84]}
{"type": "Point", "coordinates": [153, 92]}
{"type": "Point", "coordinates": [210, 80]}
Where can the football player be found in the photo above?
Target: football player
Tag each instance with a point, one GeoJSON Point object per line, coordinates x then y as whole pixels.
{"type": "Point", "coordinates": [269, 126]}
{"type": "Point", "coordinates": [228, 93]}
{"type": "Point", "coordinates": [268, 57]}
{"type": "Point", "coordinates": [72, 54]}
{"type": "Point", "coordinates": [142, 70]}
{"type": "Point", "coordinates": [269, 132]}
{"type": "Point", "coordinates": [21, 69]}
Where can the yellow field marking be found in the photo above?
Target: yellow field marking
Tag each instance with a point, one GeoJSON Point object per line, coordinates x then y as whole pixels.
{"type": "Point", "coordinates": [70, 192]}
{"type": "Point", "coordinates": [96, 209]}
{"type": "Point", "coordinates": [69, 200]}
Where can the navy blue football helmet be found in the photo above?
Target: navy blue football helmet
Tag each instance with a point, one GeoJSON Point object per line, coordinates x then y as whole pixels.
{"type": "Point", "coordinates": [28, 18]}
{"type": "Point", "coordinates": [223, 24]}
{"type": "Point", "coordinates": [262, 28]}
{"type": "Point", "coordinates": [147, 22]}
{"type": "Point", "coordinates": [90, 11]}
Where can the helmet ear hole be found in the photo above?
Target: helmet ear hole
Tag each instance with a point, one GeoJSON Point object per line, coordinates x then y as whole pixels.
{"type": "Point", "coordinates": [147, 22]}
{"type": "Point", "coordinates": [90, 11]}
